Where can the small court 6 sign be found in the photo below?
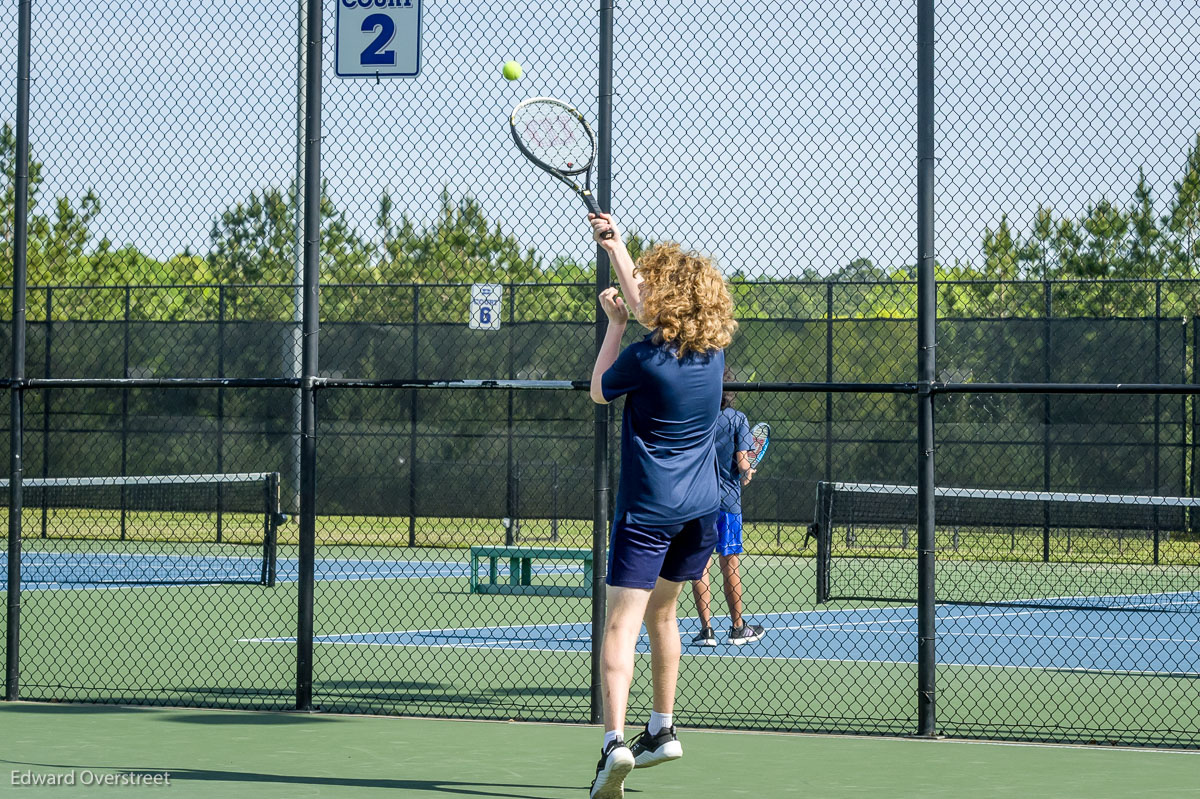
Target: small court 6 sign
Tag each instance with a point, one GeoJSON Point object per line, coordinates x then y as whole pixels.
{"type": "Point", "coordinates": [485, 306]}
{"type": "Point", "coordinates": [378, 38]}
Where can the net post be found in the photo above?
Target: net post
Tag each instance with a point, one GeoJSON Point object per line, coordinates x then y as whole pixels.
{"type": "Point", "coordinates": [926, 368]}
{"type": "Point", "coordinates": [822, 520]}
{"type": "Point", "coordinates": [306, 555]}
{"type": "Point", "coordinates": [554, 501]}
{"type": "Point", "coordinates": [601, 462]}
{"type": "Point", "coordinates": [271, 537]}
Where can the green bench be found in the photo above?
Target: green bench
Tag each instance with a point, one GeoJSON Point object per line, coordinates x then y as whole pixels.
{"type": "Point", "coordinates": [520, 570]}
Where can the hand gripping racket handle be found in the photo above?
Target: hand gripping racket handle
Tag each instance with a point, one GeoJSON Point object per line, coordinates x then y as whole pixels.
{"type": "Point", "coordinates": [589, 200]}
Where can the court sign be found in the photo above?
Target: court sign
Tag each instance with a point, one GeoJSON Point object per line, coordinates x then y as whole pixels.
{"type": "Point", "coordinates": [378, 38]}
{"type": "Point", "coordinates": [485, 306]}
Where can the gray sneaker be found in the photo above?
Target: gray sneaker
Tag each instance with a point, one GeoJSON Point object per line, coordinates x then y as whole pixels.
{"type": "Point", "coordinates": [747, 633]}
{"type": "Point", "coordinates": [706, 637]}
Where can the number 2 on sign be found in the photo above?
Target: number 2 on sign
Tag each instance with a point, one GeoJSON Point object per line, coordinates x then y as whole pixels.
{"type": "Point", "coordinates": [375, 55]}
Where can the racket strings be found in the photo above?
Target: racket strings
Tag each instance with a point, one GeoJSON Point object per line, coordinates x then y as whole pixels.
{"type": "Point", "coordinates": [554, 136]}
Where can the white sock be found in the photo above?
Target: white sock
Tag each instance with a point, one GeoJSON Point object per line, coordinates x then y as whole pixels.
{"type": "Point", "coordinates": [658, 722]}
{"type": "Point", "coordinates": [612, 735]}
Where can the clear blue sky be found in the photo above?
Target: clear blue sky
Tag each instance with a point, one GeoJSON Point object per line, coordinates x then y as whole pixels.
{"type": "Point", "coordinates": [777, 136]}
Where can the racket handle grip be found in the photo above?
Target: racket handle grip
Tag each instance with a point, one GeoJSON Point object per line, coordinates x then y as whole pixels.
{"type": "Point", "coordinates": [589, 200]}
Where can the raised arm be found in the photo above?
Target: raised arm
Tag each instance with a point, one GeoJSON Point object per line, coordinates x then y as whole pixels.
{"type": "Point", "coordinates": [618, 315]}
{"type": "Point", "coordinates": [619, 255]}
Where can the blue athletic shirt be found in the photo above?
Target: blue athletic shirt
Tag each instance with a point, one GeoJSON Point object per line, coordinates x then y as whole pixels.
{"type": "Point", "coordinates": [668, 457]}
{"type": "Point", "coordinates": [733, 436]}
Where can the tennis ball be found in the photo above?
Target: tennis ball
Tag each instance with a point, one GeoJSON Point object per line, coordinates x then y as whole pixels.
{"type": "Point", "coordinates": [511, 70]}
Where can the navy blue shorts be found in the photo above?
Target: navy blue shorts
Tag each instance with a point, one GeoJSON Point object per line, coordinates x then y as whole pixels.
{"type": "Point", "coordinates": [639, 554]}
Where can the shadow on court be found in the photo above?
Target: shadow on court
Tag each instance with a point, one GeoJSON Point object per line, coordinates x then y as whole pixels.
{"type": "Point", "coordinates": [515, 791]}
{"type": "Point", "coordinates": [64, 709]}
{"type": "Point", "coordinates": [488, 789]}
{"type": "Point", "coordinates": [274, 719]}
{"type": "Point", "coordinates": [393, 688]}
{"type": "Point", "coordinates": [244, 718]}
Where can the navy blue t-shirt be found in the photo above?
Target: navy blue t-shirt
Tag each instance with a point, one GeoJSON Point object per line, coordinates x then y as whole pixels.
{"type": "Point", "coordinates": [668, 455]}
{"type": "Point", "coordinates": [733, 436]}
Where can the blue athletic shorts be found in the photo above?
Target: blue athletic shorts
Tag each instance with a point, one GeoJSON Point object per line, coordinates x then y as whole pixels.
{"type": "Point", "coordinates": [639, 554]}
{"type": "Point", "coordinates": [729, 533]}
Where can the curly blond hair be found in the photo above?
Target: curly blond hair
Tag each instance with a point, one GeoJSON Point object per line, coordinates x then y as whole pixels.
{"type": "Point", "coordinates": [685, 300]}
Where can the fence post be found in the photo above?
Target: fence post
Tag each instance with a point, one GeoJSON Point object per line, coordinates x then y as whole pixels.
{"type": "Point", "coordinates": [125, 408]}
{"type": "Point", "coordinates": [1047, 368]}
{"type": "Point", "coordinates": [511, 530]}
{"type": "Point", "coordinates": [220, 409]}
{"type": "Point", "coordinates": [295, 365]}
{"type": "Point", "coordinates": [412, 423]}
{"type": "Point", "coordinates": [601, 461]}
{"type": "Point", "coordinates": [828, 379]}
{"type": "Point", "coordinates": [308, 423]}
{"type": "Point", "coordinates": [927, 372]}
{"type": "Point", "coordinates": [1183, 408]}
{"type": "Point", "coordinates": [1157, 408]}
{"type": "Point", "coordinates": [46, 403]}
{"type": "Point", "coordinates": [1193, 423]}
{"type": "Point", "coordinates": [12, 671]}
{"type": "Point", "coordinates": [1184, 404]}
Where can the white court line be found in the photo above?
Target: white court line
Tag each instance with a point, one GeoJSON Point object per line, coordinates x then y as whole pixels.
{"type": "Point", "coordinates": [586, 624]}
{"type": "Point", "coordinates": [948, 635]}
{"type": "Point", "coordinates": [847, 625]}
{"type": "Point", "coordinates": [748, 656]}
{"type": "Point", "coordinates": [1070, 637]}
{"type": "Point", "coordinates": [777, 615]}
{"type": "Point", "coordinates": [75, 556]}
{"type": "Point", "coordinates": [940, 636]}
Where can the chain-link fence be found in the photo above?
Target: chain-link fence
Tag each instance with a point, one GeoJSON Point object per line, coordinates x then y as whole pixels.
{"type": "Point", "coordinates": [358, 529]}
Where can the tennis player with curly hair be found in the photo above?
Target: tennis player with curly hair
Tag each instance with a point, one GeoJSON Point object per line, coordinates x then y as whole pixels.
{"type": "Point", "coordinates": [668, 496]}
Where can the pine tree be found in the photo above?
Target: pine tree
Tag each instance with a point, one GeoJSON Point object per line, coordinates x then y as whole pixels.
{"type": "Point", "coordinates": [1184, 218]}
{"type": "Point", "coordinates": [1146, 257]}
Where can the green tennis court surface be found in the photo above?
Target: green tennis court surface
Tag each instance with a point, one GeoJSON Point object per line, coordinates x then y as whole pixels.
{"type": "Point", "coordinates": [374, 654]}
{"type": "Point", "coordinates": [231, 753]}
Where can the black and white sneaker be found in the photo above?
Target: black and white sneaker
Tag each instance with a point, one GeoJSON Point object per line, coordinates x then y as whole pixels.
{"type": "Point", "coordinates": [616, 761]}
{"type": "Point", "coordinates": [746, 634]}
{"type": "Point", "coordinates": [706, 637]}
{"type": "Point", "coordinates": [650, 750]}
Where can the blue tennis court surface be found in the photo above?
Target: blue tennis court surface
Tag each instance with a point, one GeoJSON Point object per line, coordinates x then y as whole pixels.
{"type": "Point", "coordinates": [68, 570]}
{"type": "Point", "coordinates": [1047, 638]}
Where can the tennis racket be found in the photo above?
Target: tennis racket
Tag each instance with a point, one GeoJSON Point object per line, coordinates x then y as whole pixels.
{"type": "Point", "coordinates": [556, 137]}
{"type": "Point", "coordinates": [760, 435]}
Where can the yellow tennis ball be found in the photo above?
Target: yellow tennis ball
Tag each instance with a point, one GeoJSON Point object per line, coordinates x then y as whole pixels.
{"type": "Point", "coordinates": [511, 70]}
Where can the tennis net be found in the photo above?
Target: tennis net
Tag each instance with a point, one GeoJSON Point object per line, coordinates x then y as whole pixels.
{"type": "Point", "coordinates": [149, 529]}
{"type": "Point", "coordinates": [1013, 548]}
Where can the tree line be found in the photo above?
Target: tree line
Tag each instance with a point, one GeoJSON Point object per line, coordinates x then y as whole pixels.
{"type": "Point", "coordinates": [251, 242]}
